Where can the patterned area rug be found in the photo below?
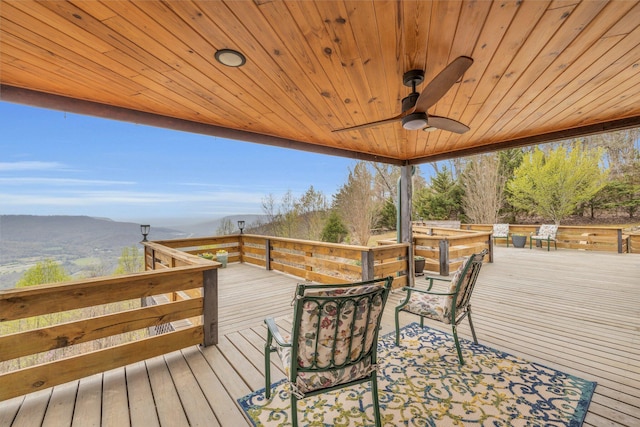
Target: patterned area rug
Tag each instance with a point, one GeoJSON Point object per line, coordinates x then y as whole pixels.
{"type": "Point", "coordinates": [421, 384]}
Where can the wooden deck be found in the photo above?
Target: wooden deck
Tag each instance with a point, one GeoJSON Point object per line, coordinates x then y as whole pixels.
{"type": "Point", "coordinates": [575, 311]}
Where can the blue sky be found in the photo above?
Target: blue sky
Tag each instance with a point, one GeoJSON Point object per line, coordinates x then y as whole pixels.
{"type": "Point", "coordinates": [56, 163]}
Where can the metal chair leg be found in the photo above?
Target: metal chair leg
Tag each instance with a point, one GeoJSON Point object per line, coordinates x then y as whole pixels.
{"type": "Point", "coordinates": [294, 410]}
{"type": "Point", "coordinates": [458, 349]}
{"type": "Point", "coordinates": [473, 331]}
{"type": "Point", "coordinates": [376, 402]}
{"type": "Point", "coordinates": [267, 366]}
{"type": "Point", "coordinates": [397, 327]}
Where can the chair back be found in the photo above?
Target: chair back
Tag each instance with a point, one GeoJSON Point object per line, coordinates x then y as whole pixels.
{"type": "Point", "coordinates": [548, 231]}
{"type": "Point", "coordinates": [500, 230]}
{"type": "Point", "coordinates": [336, 327]}
{"type": "Point", "coordinates": [464, 280]}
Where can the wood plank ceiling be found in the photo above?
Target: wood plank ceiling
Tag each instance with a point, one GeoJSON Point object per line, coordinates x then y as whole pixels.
{"type": "Point", "coordinates": [542, 69]}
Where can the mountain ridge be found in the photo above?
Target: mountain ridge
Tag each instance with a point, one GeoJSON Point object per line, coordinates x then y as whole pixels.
{"type": "Point", "coordinates": [81, 244]}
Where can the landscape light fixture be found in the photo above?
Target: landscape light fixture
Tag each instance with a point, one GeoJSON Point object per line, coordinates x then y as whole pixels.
{"type": "Point", "coordinates": [241, 226]}
{"type": "Point", "coordinates": [144, 229]}
{"type": "Point", "coordinates": [230, 58]}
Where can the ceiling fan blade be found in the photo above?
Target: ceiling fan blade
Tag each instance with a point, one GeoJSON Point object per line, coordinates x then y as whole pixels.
{"type": "Point", "coordinates": [441, 84]}
{"type": "Point", "coordinates": [447, 124]}
{"type": "Point", "coordinates": [372, 124]}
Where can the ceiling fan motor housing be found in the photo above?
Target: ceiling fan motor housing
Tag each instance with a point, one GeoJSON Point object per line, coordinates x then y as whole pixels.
{"type": "Point", "coordinates": [409, 101]}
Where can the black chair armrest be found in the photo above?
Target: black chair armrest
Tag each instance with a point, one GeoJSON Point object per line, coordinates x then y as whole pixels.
{"type": "Point", "coordinates": [430, 279]}
{"type": "Point", "coordinates": [424, 291]}
{"type": "Point", "coordinates": [274, 331]}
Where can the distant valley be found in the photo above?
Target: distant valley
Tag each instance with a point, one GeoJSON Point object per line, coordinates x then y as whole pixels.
{"type": "Point", "coordinates": [85, 246]}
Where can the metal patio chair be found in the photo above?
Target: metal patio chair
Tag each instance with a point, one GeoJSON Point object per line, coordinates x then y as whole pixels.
{"type": "Point", "coordinates": [450, 306]}
{"type": "Point", "coordinates": [333, 340]}
{"type": "Point", "coordinates": [501, 231]}
{"type": "Point", "coordinates": [546, 233]}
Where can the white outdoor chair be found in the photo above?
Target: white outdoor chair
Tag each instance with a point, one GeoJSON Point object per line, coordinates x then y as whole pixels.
{"type": "Point", "coordinates": [546, 233]}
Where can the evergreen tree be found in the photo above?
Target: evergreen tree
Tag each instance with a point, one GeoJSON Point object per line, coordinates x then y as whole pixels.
{"type": "Point", "coordinates": [334, 230]}
{"type": "Point", "coordinates": [442, 200]}
{"type": "Point", "coordinates": [388, 215]}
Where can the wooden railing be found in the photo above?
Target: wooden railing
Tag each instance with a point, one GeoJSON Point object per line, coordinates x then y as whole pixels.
{"type": "Point", "coordinates": [444, 248]}
{"type": "Point", "coordinates": [61, 297]}
{"type": "Point", "coordinates": [609, 239]}
{"type": "Point", "coordinates": [315, 261]}
{"type": "Point", "coordinates": [186, 285]}
{"type": "Point", "coordinates": [634, 243]}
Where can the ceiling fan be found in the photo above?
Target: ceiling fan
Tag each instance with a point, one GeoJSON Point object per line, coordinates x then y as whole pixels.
{"type": "Point", "coordinates": [414, 107]}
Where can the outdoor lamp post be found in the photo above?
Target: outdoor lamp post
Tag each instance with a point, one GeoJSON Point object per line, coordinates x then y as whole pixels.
{"type": "Point", "coordinates": [144, 229]}
{"type": "Point", "coordinates": [241, 226]}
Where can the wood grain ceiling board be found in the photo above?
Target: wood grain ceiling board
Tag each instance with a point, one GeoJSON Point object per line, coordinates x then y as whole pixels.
{"type": "Point", "coordinates": [542, 69]}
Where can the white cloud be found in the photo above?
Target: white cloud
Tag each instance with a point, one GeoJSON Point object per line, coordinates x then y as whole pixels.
{"type": "Point", "coordinates": [99, 198]}
{"type": "Point", "coordinates": [60, 181]}
{"type": "Point", "coordinates": [30, 166]}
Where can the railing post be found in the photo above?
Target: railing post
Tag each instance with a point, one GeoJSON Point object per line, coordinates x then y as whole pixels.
{"type": "Point", "coordinates": [444, 257]}
{"type": "Point", "coordinates": [491, 248]}
{"type": "Point", "coordinates": [619, 240]}
{"type": "Point", "coordinates": [267, 254]}
{"type": "Point", "coordinates": [210, 309]}
{"type": "Point", "coordinates": [367, 265]}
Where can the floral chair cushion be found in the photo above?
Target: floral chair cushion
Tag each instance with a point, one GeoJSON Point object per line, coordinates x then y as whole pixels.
{"type": "Point", "coordinates": [500, 230]}
{"type": "Point", "coordinates": [436, 307]}
{"type": "Point", "coordinates": [546, 231]}
{"type": "Point", "coordinates": [330, 346]}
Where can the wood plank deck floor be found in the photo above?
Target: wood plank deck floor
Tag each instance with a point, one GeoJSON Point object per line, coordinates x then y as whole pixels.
{"type": "Point", "coordinates": [575, 311]}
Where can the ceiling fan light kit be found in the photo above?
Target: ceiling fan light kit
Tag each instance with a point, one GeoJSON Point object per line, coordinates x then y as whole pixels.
{"type": "Point", "coordinates": [414, 121]}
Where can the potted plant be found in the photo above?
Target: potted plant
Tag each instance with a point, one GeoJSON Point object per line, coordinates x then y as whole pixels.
{"type": "Point", "coordinates": [418, 262]}
{"type": "Point", "coordinates": [518, 240]}
{"type": "Point", "coordinates": [222, 257]}
{"type": "Point", "coordinates": [207, 255]}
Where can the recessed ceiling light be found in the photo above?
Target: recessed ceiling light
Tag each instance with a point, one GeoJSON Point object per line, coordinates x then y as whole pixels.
{"type": "Point", "coordinates": [230, 58]}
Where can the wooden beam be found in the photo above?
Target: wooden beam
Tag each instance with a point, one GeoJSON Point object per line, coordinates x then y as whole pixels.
{"type": "Point", "coordinates": [594, 129]}
{"type": "Point", "coordinates": [89, 108]}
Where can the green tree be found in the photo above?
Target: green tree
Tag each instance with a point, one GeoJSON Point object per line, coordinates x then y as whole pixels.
{"type": "Point", "coordinates": [47, 271]}
{"type": "Point", "coordinates": [442, 199]}
{"type": "Point", "coordinates": [131, 261]}
{"type": "Point", "coordinates": [622, 193]}
{"type": "Point", "coordinates": [509, 161]}
{"type": "Point", "coordinates": [554, 184]}
{"type": "Point", "coordinates": [388, 215]}
{"type": "Point", "coordinates": [334, 230]}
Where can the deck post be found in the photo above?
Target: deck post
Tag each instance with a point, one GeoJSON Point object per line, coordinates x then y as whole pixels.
{"type": "Point", "coordinates": [267, 254]}
{"type": "Point", "coordinates": [405, 231]}
{"type": "Point", "coordinates": [210, 309]}
{"type": "Point", "coordinates": [491, 247]}
{"type": "Point", "coordinates": [444, 257]}
{"type": "Point", "coordinates": [367, 265]}
{"type": "Point", "coordinates": [619, 240]}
